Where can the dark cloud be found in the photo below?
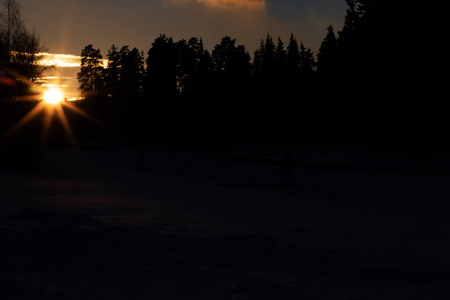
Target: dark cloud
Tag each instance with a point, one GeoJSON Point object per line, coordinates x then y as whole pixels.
{"type": "Point", "coordinates": [295, 10]}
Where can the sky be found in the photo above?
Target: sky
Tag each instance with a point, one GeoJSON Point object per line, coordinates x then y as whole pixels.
{"type": "Point", "coordinates": [67, 26]}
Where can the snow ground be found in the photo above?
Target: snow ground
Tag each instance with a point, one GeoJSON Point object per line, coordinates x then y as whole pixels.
{"type": "Point", "coordinates": [107, 225]}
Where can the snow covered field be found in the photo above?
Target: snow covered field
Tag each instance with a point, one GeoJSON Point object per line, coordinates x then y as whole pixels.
{"type": "Point", "coordinates": [109, 225]}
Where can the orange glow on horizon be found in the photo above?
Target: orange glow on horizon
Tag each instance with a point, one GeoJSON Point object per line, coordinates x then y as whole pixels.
{"type": "Point", "coordinates": [64, 60]}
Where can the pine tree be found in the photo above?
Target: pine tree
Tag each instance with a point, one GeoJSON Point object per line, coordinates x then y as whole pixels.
{"type": "Point", "coordinates": [193, 68]}
{"type": "Point", "coordinates": [205, 64]}
{"type": "Point", "coordinates": [193, 62]}
{"type": "Point", "coordinates": [269, 55]}
{"type": "Point", "coordinates": [185, 63]}
{"type": "Point", "coordinates": [307, 62]}
{"type": "Point", "coordinates": [293, 56]}
{"type": "Point", "coordinates": [161, 71]}
{"type": "Point", "coordinates": [347, 36]}
{"type": "Point", "coordinates": [112, 72]}
{"type": "Point", "coordinates": [258, 60]}
{"type": "Point", "coordinates": [355, 39]}
{"type": "Point", "coordinates": [231, 59]}
{"type": "Point", "coordinates": [280, 56]}
{"type": "Point", "coordinates": [328, 53]}
{"type": "Point", "coordinates": [90, 76]}
{"type": "Point", "coordinates": [131, 72]}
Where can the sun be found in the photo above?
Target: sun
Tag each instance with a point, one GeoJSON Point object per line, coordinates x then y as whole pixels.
{"type": "Point", "coordinates": [53, 104]}
{"type": "Point", "coordinates": [53, 96]}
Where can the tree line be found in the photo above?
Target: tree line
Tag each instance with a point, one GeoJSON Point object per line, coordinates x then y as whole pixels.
{"type": "Point", "coordinates": [285, 92]}
{"type": "Point", "coordinates": [174, 69]}
{"type": "Point", "coordinates": [184, 79]}
{"type": "Point", "coordinates": [350, 94]}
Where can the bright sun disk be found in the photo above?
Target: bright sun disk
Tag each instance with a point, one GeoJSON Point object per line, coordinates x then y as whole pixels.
{"type": "Point", "coordinates": [53, 96]}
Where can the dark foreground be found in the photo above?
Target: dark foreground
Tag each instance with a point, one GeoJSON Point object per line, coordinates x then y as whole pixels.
{"type": "Point", "coordinates": [109, 225]}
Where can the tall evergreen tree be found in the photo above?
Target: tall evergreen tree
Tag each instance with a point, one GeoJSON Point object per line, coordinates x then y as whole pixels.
{"type": "Point", "coordinates": [131, 73]}
{"type": "Point", "coordinates": [192, 62]}
{"type": "Point", "coordinates": [265, 58]}
{"type": "Point", "coordinates": [123, 53]}
{"type": "Point", "coordinates": [280, 56]}
{"type": "Point", "coordinates": [112, 72]}
{"type": "Point", "coordinates": [356, 39]}
{"type": "Point", "coordinates": [195, 72]}
{"type": "Point", "coordinates": [204, 64]}
{"type": "Point", "coordinates": [258, 60]}
{"type": "Point", "coordinates": [347, 36]}
{"type": "Point", "coordinates": [293, 56]}
{"type": "Point", "coordinates": [328, 53]}
{"type": "Point", "coordinates": [91, 72]}
{"type": "Point", "coordinates": [242, 66]}
{"type": "Point", "coordinates": [307, 62]}
{"type": "Point", "coordinates": [269, 55]}
{"type": "Point", "coordinates": [161, 71]}
{"type": "Point", "coordinates": [229, 58]}
{"type": "Point", "coordinates": [185, 63]}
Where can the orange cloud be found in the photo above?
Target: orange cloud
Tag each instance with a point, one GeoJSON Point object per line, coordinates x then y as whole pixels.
{"type": "Point", "coordinates": [229, 4]}
{"type": "Point", "coordinates": [63, 60]}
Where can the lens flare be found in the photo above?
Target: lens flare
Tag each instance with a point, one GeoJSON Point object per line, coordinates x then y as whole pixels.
{"type": "Point", "coordinates": [53, 96]}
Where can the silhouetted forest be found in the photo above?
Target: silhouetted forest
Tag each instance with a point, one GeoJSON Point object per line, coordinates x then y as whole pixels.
{"type": "Point", "coordinates": [354, 93]}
